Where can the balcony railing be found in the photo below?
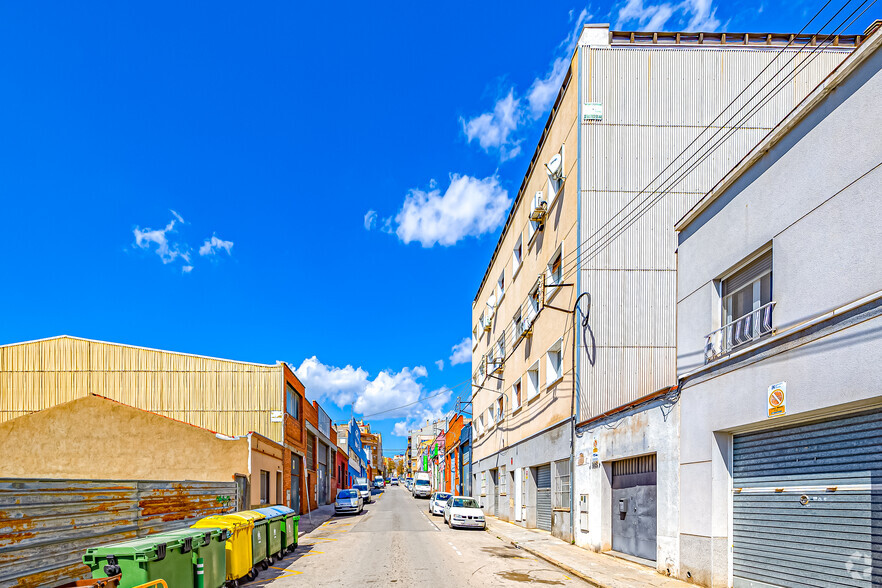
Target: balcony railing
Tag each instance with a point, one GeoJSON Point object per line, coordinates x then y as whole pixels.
{"type": "Point", "coordinates": [750, 327]}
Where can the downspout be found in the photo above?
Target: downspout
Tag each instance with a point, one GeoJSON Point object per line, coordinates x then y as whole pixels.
{"type": "Point", "coordinates": [574, 404]}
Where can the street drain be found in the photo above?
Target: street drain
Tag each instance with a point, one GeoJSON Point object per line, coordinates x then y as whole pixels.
{"type": "Point", "coordinates": [527, 577]}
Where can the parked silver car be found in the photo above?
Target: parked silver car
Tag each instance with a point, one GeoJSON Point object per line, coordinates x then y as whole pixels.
{"type": "Point", "coordinates": [421, 489]}
{"type": "Point", "coordinates": [348, 501]}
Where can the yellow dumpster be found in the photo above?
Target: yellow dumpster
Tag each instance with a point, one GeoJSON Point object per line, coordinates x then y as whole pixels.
{"type": "Point", "coordinates": [238, 547]}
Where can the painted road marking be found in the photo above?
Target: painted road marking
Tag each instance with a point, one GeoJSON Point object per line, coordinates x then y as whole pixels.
{"type": "Point", "coordinates": [312, 553]}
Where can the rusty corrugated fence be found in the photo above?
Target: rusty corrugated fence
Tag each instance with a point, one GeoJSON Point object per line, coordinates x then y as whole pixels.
{"type": "Point", "coordinates": [46, 525]}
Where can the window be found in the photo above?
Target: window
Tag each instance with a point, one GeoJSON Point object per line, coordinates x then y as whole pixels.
{"type": "Point", "coordinates": [474, 337]}
{"type": "Point", "coordinates": [554, 363]}
{"type": "Point", "coordinates": [746, 307]}
{"type": "Point", "coordinates": [264, 487]}
{"type": "Point", "coordinates": [292, 403]}
{"type": "Point", "coordinates": [500, 349]}
{"type": "Point", "coordinates": [533, 305]}
{"type": "Point", "coordinates": [516, 394]}
{"type": "Point", "coordinates": [482, 367]}
{"type": "Point", "coordinates": [533, 381]}
{"type": "Point", "coordinates": [500, 408]}
{"type": "Point", "coordinates": [500, 287]}
{"type": "Point", "coordinates": [554, 271]}
{"type": "Point", "coordinates": [561, 484]}
{"type": "Point", "coordinates": [503, 481]}
{"type": "Point", "coordinates": [483, 483]}
{"type": "Point", "coordinates": [517, 256]}
{"type": "Point", "coordinates": [310, 451]}
{"type": "Point", "coordinates": [481, 424]}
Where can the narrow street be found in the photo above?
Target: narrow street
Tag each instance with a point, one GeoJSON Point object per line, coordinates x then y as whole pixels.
{"type": "Point", "coordinates": [397, 542]}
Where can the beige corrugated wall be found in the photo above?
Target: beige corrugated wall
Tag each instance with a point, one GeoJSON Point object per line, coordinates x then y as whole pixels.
{"type": "Point", "coordinates": [228, 397]}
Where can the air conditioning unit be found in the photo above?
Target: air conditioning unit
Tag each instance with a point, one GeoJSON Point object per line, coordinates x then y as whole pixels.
{"type": "Point", "coordinates": [486, 322]}
{"type": "Point", "coordinates": [494, 364]}
{"type": "Point", "coordinates": [538, 208]}
{"type": "Point", "coordinates": [525, 327]}
{"type": "Point", "coordinates": [555, 167]}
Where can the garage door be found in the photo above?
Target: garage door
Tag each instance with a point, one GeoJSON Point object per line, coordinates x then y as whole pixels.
{"type": "Point", "coordinates": [634, 506]}
{"type": "Point", "coordinates": [543, 497]}
{"type": "Point", "coordinates": [806, 510]}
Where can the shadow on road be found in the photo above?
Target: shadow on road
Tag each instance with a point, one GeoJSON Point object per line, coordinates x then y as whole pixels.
{"type": "Point", "coordinates": [278, 569]}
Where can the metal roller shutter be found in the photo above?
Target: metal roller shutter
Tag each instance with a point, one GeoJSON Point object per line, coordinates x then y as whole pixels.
{"type": "Point", "coordinates": [806, 512]}
{"type": "Point", "coordinates": [543, 497]}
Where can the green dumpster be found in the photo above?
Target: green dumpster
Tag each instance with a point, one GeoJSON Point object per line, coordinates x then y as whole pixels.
{"type": "Point", "coordinates": [207, 545]}
{"type": "Point", "coordinates": [258, 537]}
{"type": "Point", "coordinates": [274, 531]}
{"type": "Point", "coordinates": [290, 522]}
{"type": "Point", "coordinates": [143, 560]}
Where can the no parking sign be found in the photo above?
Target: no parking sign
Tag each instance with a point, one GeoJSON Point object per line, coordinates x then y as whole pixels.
{"type": "Point", "coordinates": [777, 399]}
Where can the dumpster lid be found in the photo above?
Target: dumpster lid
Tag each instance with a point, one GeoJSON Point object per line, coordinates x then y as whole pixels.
{"type": "Point", "coordinates": [144, 546]}
{"type": "Point", "coordinates": [231, 522]}
{"type": "Point", "coordinates": [284, 509]}
{"type": "Point", "coordinates": [198, 537]}
{"type": "Point", "coordinates": [250, 514]}
{"type": "Point", "coordinates": [270, 512]}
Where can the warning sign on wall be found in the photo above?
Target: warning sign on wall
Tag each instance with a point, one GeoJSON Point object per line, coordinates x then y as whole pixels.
{"type": "Point", "coordinates": [778, 399]}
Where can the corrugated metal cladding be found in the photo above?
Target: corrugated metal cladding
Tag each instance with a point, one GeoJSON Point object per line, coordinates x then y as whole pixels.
{"type": "Point", "coordinates": [229, 397]}
{"type": "Point", "coordinates": [808, 504]}
{"type": "Point", "coordinates": [656, 102]}
{"type": "Point", "coordinates": [543, 497]}
{"type": "Point", "coordinates": [47, 525]}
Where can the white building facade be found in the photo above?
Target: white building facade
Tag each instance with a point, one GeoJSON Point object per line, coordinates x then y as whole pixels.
{"type": "Point", "coordinates": [779, 320]}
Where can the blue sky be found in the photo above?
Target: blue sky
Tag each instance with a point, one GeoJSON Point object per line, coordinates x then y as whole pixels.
{"type": "Point", "coordinates": [284, 182]}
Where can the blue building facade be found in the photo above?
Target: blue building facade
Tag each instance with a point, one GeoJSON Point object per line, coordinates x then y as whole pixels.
{"type": "Point", "coordinates": [357, 457]}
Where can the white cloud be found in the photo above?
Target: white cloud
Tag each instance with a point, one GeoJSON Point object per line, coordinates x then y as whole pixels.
{"type": "Point", "coordinates": [498, 130]}
{"type": "Point", "coordinates": [469, 207]}
{"type": "Point", "coordinates": [462, 352]}
{"type": "Point", "coordinates": [494, 130]}
{"type": "Point", "coordinates": [440, 364]}
{"type": "Point", "coordinates": [692, 15]}
{"type": "Point", "coordinates": [370, 219]}
{"type": "Point", "coordinates": [214, 245]}
{"type": "Point", "coordinates": [179, 217]}
{"type": "Point", "coordinates": [394, 394]}
{"type": "Point", "coordinates": [167, 250]}
{"type": "Point", "coordinates": [187, 269]}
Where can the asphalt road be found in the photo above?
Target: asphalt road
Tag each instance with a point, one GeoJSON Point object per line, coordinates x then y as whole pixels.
{"type": "Point", "coordinates": [396, 542]}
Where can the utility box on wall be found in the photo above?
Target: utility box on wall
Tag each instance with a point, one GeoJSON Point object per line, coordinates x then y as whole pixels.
{"type": "Point", "coordinates": [583, 512]}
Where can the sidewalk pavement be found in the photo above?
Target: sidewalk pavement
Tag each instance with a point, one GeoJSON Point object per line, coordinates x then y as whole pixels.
{"type": "Point", "coordinates": [310, 522]}
{"type": "Point", "coordinates": [603, 571]}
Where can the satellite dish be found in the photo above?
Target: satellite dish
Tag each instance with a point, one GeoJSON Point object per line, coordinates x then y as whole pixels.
{"type": "Point", "coordinates": [555, 166]}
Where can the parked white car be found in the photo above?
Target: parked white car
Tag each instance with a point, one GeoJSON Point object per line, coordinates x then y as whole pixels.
{"type": "Point", "coordinates": [365, 492]}
{"type": "Point", "coordinates": [422, 489]}
{"type": "Point", "coordinates": [348, 501]}
{"type": "Point", "coordinates": [438, 501]}
{"type": "Point", "coordinates": [462, 511]}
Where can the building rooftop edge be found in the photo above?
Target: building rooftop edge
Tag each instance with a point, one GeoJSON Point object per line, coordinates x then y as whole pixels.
{"type": "Point", "coordinates": [637, 38]}
{"type": "Point", "coordinates": [44, 339]}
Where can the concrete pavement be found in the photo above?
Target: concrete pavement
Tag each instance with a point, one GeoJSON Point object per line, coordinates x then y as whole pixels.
{"type": "Point", "coordinates": [396, 542]}
{"type": "Point", "coordinates": [597, 569]}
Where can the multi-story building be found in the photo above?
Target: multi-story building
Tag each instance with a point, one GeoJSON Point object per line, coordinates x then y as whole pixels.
{"type": "Point", "coordinates": [373, 449]}
{"type": "Point", "coordinates": [619, 161]}
{"type": "Point", "coordinates": [779, 313]}
{"type": "Point", "coordinates": [419, 443]}
{"type": "Point", "coordinates": [452, 454]}
{"type": "Point", "coordinates": [320, 459]}
{"type": "Point", "coordinates": [349, 435]}
{"type": "Point", "coordinates": [230, 397]}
